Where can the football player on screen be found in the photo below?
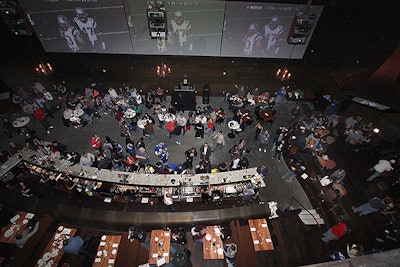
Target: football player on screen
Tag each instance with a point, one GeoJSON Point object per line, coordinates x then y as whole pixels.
{"type": "Point", "coordinates": [88, 26]}
{"type": "Point", "coordinates": [70, 34]}
{"type": "Point", "coordinates": [273, 35]}
{"type": "Point", "coordinates": [179, 36]}
{"type": "Point", "coordinates": [252, 41]}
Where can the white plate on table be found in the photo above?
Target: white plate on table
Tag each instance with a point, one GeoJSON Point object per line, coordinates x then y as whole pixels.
{"type": "Point", "coordinates": [114, 251]}
{"type": "Point", "coordinates": [208, 237]}
{"type": "Point", "coordinates": [60, 228]}
{"type": "Point", "coordinates": [47, 256]}
{"type": "Point", "coordinates": [99, 253]}
{"type": "Point", "coordinates": [8, 233]}
{"type": "Point", "coordinates": [220, 251]}
{"type": "Point", "coordinates": [54, 253]}
{"type": "Point", "coordinates": [103, 237]}
{"type": "Point", "coordinates": [41, 262]}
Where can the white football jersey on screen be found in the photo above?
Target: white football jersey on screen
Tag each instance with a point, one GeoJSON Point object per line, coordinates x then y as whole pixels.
{"type": "Point", "coordinates": [181, 30]}
{"type": "Point", "coordinates": [70, 36]}
{"type": "Point", "coordinates": [249, 42]}
{"type": "Point", "coordinates": [271, 35]}
{"type": "Point", "coordinates": [88, 27]}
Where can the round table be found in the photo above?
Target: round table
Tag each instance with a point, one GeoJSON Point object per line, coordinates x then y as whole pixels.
{"type": "Point", "coordinates": [161, 117]}
{"type": "Point", "coordinates": [75, 119]}
{"type": "Point", "coordinates": [78, 112]}
{"type": "Point", "coordinates": [129, 113]}
{"type": "Point", "coordinates": [21, 122]}
{"type": "Point", "coordinates": [201, 119]}
{"type": "Point", "coordinates": [233, 125]}
{"type": "Point", "coordinates": [266, 115]}
{"type": "Point", "coordinates": [142, 123]}
{"type": "Point", "coordinates": [169, 117]}
{"type": "Point", "coordinates": [48, 96]}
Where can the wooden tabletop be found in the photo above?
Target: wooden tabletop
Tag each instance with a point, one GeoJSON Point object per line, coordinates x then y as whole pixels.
{"type": "Point", "coordinates": [17, 224]}
{"type": "Point", "coordinates": [53, 251]}
{"type": "Point", "coordinates": [160, 242]}
{"type": "Point", "coordinates": [107, 250]}
{"type": "Point", "coordinates": [212, 243]}
{"type": "Point", "coordinates": [260, 234]}
{"type": "Point", "coordinates": [266, 115]}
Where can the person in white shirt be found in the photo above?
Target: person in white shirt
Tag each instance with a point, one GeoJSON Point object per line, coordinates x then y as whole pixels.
{"type": "Point", "coordinates": [220, 141]}
{"type": "Point", "coordinates": [168, 201]}
{"type": "Point", "coordinates": [382, 166]}
{"type": "Point", "coordinates": [21, 239]}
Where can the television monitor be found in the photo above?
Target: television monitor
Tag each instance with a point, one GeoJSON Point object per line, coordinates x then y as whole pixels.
{"type": "Point", "coordinates": [80, 26]}
{"type": "Point", "coordinates": [255, 29]}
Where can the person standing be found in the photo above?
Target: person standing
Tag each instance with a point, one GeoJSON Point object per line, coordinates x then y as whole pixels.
{"type": "Point", "coordinates": [262, 170]}
{"type": "Point", "coordinates": [279, 150]}
{"type": "Point", "coordinates": [336, 232]}
{"type": "Point", "coordinates": [178, 133]}
{"type": "Point", "coordinates": [160, 94]}
{"type": "Point", "coordinates": [263, 140]}
{"type": "Point", "coordinates": [41, 116]}
{"type": "Point", "coordinates": [373, 205]}
{"type": "Point", "coordinates": [161, 150]}
{"type": "Point", "coordinates": [171, 128]}
{"type": "Point", "coordinates": [181, 121]}
{"type": "Point", "coordinates": [205, 151]}
{"type": "Point", "coordinates": [96, 143]}
{"type": "Point", "coordinates": [169, 201]}
{"type": "Point", "coordinates": [220, 140]}
{"type": "Point", "coordinates": [190, 154]}
{"type": "Point", "coordinates": [382, 166]}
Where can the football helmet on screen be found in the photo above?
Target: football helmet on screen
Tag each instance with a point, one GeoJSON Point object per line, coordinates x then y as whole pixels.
{"type": "Point", "coordinates": [81, 14]}
{"type": "Point", "coordinates": [274, 22]}
{"type": "Point", "coordinates": [179, 18]}
{"type": "Point", "coordinates": [63, 22]}
{"type": "Point", "coordinates": [252, 29]}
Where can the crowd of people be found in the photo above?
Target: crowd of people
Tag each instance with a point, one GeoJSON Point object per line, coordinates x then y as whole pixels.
{"type": "Point", "coordinates": [309, 133]}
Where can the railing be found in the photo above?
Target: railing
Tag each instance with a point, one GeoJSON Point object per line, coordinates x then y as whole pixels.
{"type": "Point", "coordinates": [319, 225]}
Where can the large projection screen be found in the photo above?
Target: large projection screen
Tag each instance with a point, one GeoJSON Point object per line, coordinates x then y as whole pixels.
{"type": "Point", "coordinates": [100, 27]}
{"type": "Point", "coordinates": [199, 31]}
{"type": "Point", "coordinates": [261, 30]}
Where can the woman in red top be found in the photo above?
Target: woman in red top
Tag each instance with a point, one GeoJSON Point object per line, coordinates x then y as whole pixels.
{"type": "Point", "coordinates": [336, 232]}
{"type": "Point", "coordinates": [171, 125]}
{"type": "Point", "coordinates": [41, 116]}
{"type": "Point", "coordinates": [96, 143]}
{"type": "Point", "coordinates": [210, 127]}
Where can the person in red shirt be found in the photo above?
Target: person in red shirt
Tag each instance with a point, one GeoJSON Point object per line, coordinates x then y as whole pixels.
{"type": "Point", "coordinates": [336, 232]}
{"type": "Point", "coordinates": [96, 143]}
{"type": "Point", "coordinates": [210, 127]}
{"type": "Point", "coordinates": [40, 115]}
{"type": "Point", "coordinates": [171, 128]}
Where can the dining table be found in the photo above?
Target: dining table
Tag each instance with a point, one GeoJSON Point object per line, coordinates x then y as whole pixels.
{"type": "Point", "coordinates": [17, 225]}
{"type": "Point", "coordinates": [233, 125]}
{"type": "Point", "coordinates": [201, 118]}
{"type": "Point", "coordinates": [53, 252]}
{"type": "Point", "coordinates": [129, 113]}
{"type": "Point", "coordinates": [213, 247]}
{"type": "Point", "coordinates": [266, 115]}
{"type": "Point", "coordinates": [245, 115]}
{"type": "Point", "coordinates": [107, 250]}
{"type": "Point", "coordinates": [260, 234]}
{"type": "Point", "coordinates": [159, 252]}
{"type": "Point", "coordinates": [78, 112]}
{"type": "Point", "coordinates": [21, 122]}
{"type": "Point", "coordinates": [142, 123]}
